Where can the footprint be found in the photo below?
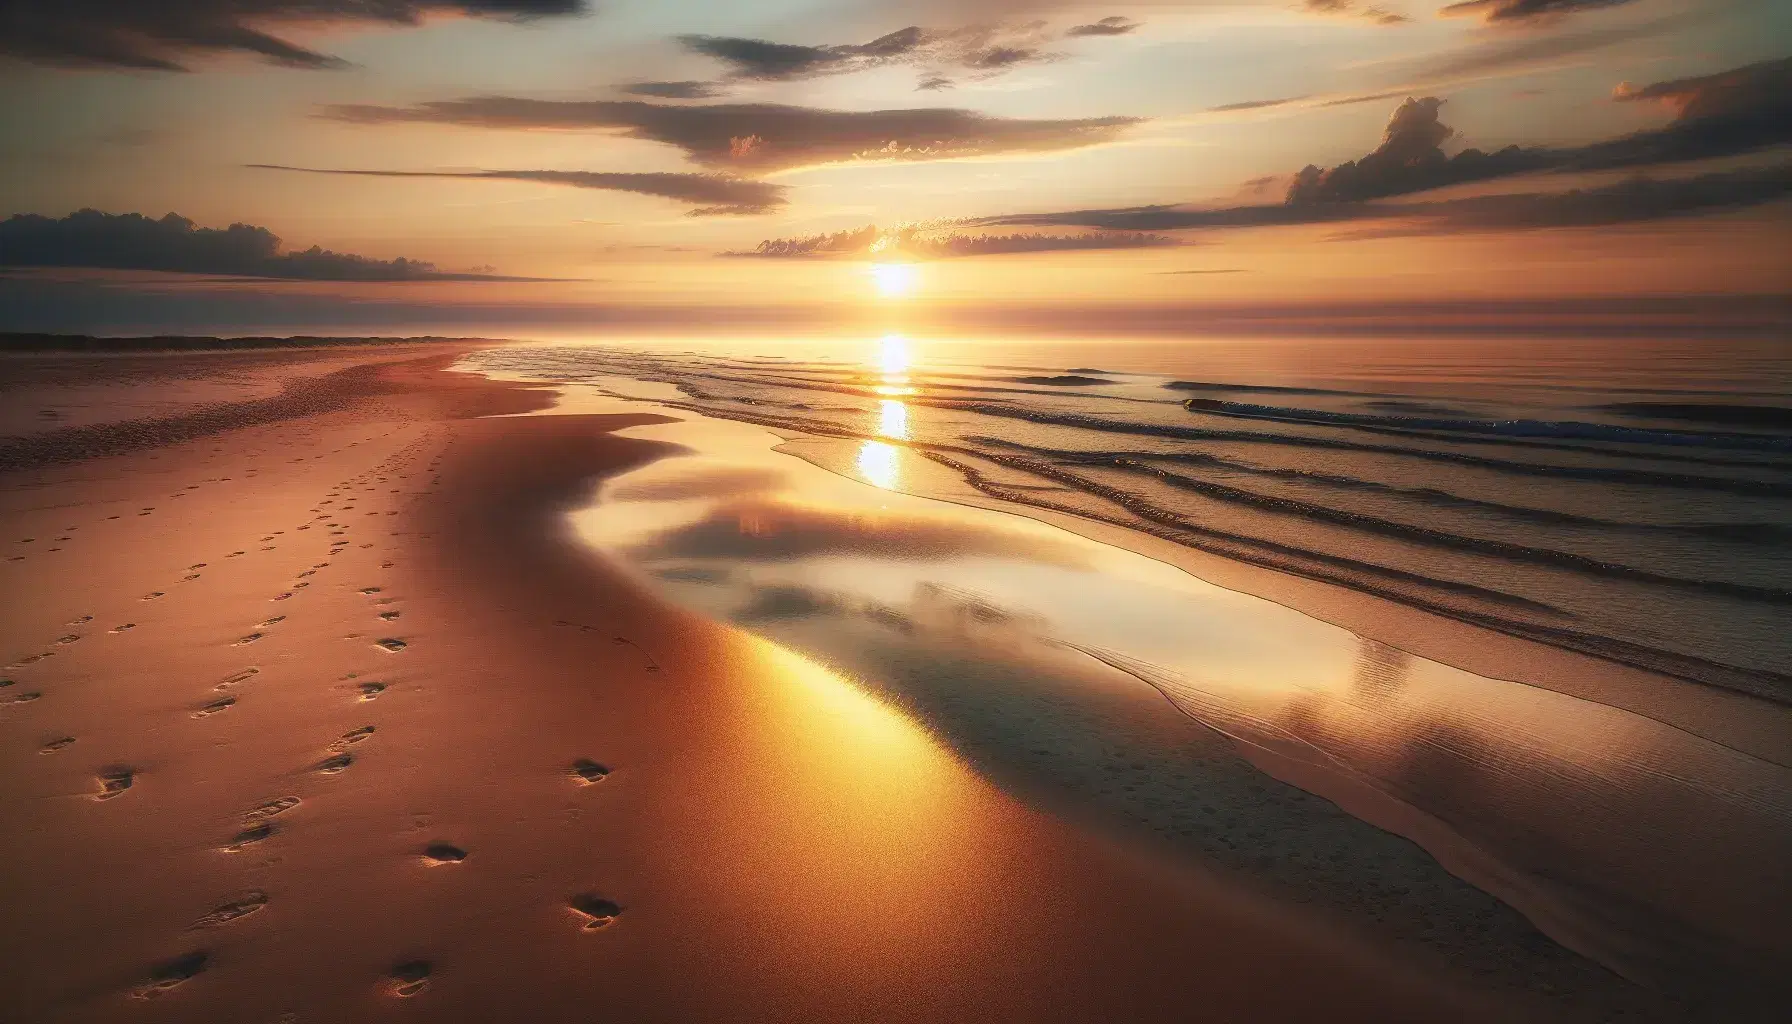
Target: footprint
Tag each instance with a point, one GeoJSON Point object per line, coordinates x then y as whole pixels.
{"type": "Point", "coordinates": [444, 853]}
{"type": "Point", "coordinates": [152, 595]}
{"type": "Point", "coordinates": [69, 639]}
{"type": "Point", "coordinates": [189, 579]}
{"type": "Point", "coordinates": [55, 745]}
{"type": "Point", "coordinates": [114, 782]}
{"type": "Point", "coordinates": [21, 698]}
{"type": "Point", "coordinates": [231, 911]}
{"type": "Point", "coordinates": [124, 626]}
{"type": "Point", "coordinates": [391, 644]}
{"type": "Point", "coordinates": [249, 837]}
{"type": "Point", "coordinates": [388, 616]}
{"type": "Point", "coordinates": [166, 976]}
{"type": "Point", "coordinates": [241, 677]}
{"type": "Point", "coordinates": [371, 691]}
{"type": "Point", "coordinates": [247, 640]}
{"type": "Point", "coordinates": [264, 623]}
{"type": "Point", "coordinates": [408, 978]}
{"type": "Point", "coordinates": [283, 597]}
{"type": "Point", "coordinates": [652, 665]}
{"type": "Point", "coordinates": [222, 704]}
{"type": "Point", "coordinates": [587, 771]}
{"type": "Point", "coordinates": [334, 765]}
{"type": "Point", "coordinates": [352, 737]}
{"type": "Point", "coordinates": [278, 805]}
{"type": "Point", "coordinates": [597, 911]}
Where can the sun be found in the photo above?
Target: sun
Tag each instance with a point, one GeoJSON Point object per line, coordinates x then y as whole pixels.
{"type": "Point", "coordinates": [894, 280]}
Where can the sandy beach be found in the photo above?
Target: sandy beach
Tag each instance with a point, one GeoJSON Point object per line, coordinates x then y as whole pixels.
{"type": "Point", "coordinates": [315, 711]}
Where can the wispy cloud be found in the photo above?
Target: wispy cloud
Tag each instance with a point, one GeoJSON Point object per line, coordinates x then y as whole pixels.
{"type": "Point", "coordinates": [1524, 10]}
{"type": "Point", "coordinates": [685, 90]}
{"type": "Point", "coordinates": [1376, 13]}
{"type": "Point", "coordinates": [763, 137]}
{"type": "Point", "coordinates": [714, 194]}
{"type": "Point", "coordinates": [1109, 26]}
{"type": "Point", "coordinates": [1626, 202]}
{"type": "Point", "coordinates": [161, 35]}
{"type": "Point", "coordinates": [933, 244]}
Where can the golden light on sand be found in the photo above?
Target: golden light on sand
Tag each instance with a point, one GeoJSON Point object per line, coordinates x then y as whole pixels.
{"type": "Point", "coordinates": [894, 280]}
{"type": "Point", "coordinates": [880, 464]}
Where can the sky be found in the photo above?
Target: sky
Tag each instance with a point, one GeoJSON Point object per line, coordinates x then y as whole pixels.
{"type": "Point", "coordinates": [393, 164]}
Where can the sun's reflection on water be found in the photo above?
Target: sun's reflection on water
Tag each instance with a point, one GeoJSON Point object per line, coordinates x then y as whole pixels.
{"type": "Point", "coordinates": [879, 462]}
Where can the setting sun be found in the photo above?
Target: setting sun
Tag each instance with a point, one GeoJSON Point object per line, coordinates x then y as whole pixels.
{"type": "Point", "coordinates": [894, 280]}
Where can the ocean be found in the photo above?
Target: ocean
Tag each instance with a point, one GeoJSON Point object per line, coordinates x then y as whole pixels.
{"type": "Point", "coordinates": [1474, 639]}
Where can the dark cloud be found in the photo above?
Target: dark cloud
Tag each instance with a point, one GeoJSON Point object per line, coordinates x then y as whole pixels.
{"type": "Point", "coordinates": [1730, 113]}
{"type": "Point", "coordinates": [769, 61]}
{"type": "Point", "coordinates": [1111, 26]}
{"type": "Point", "coordinates": [673, 90]}
{"type": "Point", "coordinates": [1410, 159]}
{"type": "Point", "coordinates": [160, 35]}
{"type": "Point", "coordinates": [933, 83]}
{"type": "Point", "coordinates": [1736, 111]}
{"type": "Point", "coordinates": [1524, 10]}
{"type": "Point", "coordinates": [919, 243]}
{"type": "Point", "coordinates": [713, 193]}
{"type": "Point", "coordinates": [1725, 114]}
{"type": "Point", "coordinates": [983, 50]}
{"type": "Point", "coordinates": [131, 241]}
{"type": "Point", "coordinates": [1626, 202]}
{"type": "Point", "coordinates": [764, 137]}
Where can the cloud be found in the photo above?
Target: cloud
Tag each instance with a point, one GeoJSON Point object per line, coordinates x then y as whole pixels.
{"type": "Point", "coordinates": [1111, 26]}
{"type": "Point", "coordinates": [714, 193]}
{"type": "Point", "coordinates": [1524, 10]}
{"type": "Point", "coordinates": [1736, 111]}
{"type": "Point", "coordinates": [764, 137]}
{"type": "Point", "coordinates": [174, 244]}
{"type": "Point", "coordinates": [1501, 54]}
{"type": "Point", "coordinates": [1377, 14]}
{"type": "Point", "coordinates": [673, 90]}
{"type": "Point", "coordinates": [1626, 202]}
{"type": "Point", "coordinates": [159, 35]}
{"type": "Point", "coordinates": [1733, 112]}
{"type": "Point", "coordinates": [982, 49]}
{"type": "Point", "coordinates": [1410, 159]}
{"type": "Point", "coordinates": [1254, 104]}
{"type": "Point", "coordinates": [1730, 113]}
{"type": "Point", "coordinates": [921, 243]}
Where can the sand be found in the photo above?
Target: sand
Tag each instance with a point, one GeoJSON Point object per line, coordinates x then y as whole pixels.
{"type": "Point", "coordinates": [316, 712]}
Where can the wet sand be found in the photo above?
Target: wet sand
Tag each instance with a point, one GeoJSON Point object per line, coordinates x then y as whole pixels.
{"type": "Point", "coordinates": [317, 712]}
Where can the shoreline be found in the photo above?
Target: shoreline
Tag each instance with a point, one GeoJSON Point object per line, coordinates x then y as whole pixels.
{"type": "Point", "coordinates": [1359, 887]}
{"type": "Point", "coordinates": [771, 841]}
